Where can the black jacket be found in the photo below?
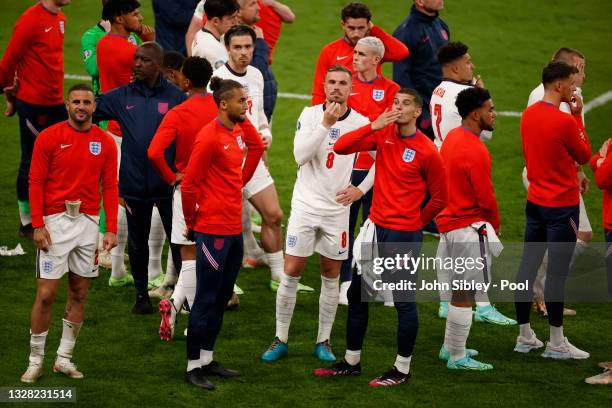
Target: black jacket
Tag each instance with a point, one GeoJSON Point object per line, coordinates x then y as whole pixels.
{"type": "Point", "coordinates": [139, 111]}
{"type": "Point", "coordinates": [423, 35]}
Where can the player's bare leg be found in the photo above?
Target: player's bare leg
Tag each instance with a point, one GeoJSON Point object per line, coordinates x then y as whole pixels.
{"type": "Point", "coordinates": [267, 204]}
{"type": "Point", "coordinates": [72, 322]}
{"type": "Point", "coordinates": [254, 256]}
{"type": "Point", "coordinates": [46, 291]}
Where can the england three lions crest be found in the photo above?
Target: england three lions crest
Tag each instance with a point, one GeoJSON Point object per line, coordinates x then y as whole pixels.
{"type": "Point", "coordinates": [378, 94]}
{"type": "Point", "coordinates": [334, 133]}
{"type": "Point", "coordinates": [95, 148]}
{"type": "Point", "coordinates": [408, 155]}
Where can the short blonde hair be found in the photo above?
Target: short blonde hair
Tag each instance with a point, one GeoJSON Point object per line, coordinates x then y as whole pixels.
{"type": "Point", "coordinates": [375, 44]}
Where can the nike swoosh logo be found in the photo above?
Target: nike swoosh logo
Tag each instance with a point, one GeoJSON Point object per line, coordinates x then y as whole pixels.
{"type": "Point", "coordinates": [226, 146]}
{"type": "Point", "coordinates": [354, 93]}
{"type": "Point", "coordinates": [386, 141]}
{"type": "Point", "coordinates": [63, 146]}
{"type": "Point", "coordinates": [341, 58]}
{"type": "Point", "coordinates": [48, 29]}
{"type": "Point", "coordinates": [341, 252]}
{"type": "Point", "coordinates": [128, 107]}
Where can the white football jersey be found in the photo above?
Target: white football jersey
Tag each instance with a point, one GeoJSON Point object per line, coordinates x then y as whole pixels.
{"type": "Point", "coordinates": [538, 93]}
{"type": "Point", "coordinates": [444, 113]}
{"type": "Point", "coordinates": [253, 84]}
{"type": "Point", "coordinates": [321, 172]}
{"type": "Point", "coordinates": [205, 45]}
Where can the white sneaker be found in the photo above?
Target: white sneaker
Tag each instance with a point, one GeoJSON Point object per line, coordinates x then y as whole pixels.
{"type": "Point", "coordinates": [67, 367]}
{"type": "Point", "coordinates": [32, 374]}
{"type": "Point", "coordinates": [344, 287]}
{"type": "Point", "coordinates": [525, 345]}
{"type": "Point", "coordinates": [565, 351]}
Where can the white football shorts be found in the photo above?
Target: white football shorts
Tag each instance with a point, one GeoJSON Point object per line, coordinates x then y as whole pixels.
{"type": "Point", "coordinates": [74, 247]}
{"type": "Point", "coordinates": [178, 220]}
{"type": "Point", "coordinates": [260, 180]}
{"type": "Point", "coordinates": [327, 235]}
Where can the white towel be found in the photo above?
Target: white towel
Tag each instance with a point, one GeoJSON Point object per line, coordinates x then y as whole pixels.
{"type": "Point", "coordinates": [495, 245]}
{"type": "Point", "coordinates": [367, 235]}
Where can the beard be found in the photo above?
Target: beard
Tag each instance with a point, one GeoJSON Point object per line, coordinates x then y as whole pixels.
{"type": "Point", "coordinates": [75, 118]}
{"type": "Point", "coordinates": [486, 126]}
{"type": "Point", "coordinates": [236, 118]}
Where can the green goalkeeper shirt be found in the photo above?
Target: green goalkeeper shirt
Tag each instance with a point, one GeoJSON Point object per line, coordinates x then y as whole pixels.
{"type": "Point", "coordinates": [89, 41]}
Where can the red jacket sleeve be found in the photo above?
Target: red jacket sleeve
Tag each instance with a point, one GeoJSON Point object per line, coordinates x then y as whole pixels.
{"type": "Point", "coordinates": [358, 140]}
{"type": "Point", "coordinates": [318, 91]}
{"type": "Point", "coordinates": [23, 34]}
{"type": "Point", "coordinates": [435, 177]}
{"type": "Point", "coordinates": [255, 150]}
{"type": "Point", "coordinates": [603, 174]}
{"type": "Point", "coordinates": [110, 189]}
{"type": "Point", "coordinates": [480, 178]}
{"type": "Point", "coordinates": [395, 50]}
{"type": "Point", "coordinates": [204, 150]}
{"type": "Point", "coordinates": [165, 135]}
{"type": "Point", "coordinates": [39, 169]}
{"type": "Point", "coordinates": [577, 140]}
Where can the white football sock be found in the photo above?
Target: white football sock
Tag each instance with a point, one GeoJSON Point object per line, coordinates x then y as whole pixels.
{"type": "Point", "coordinates": [157, 236]}
{"type": "Point", "coordinates": [206, 357]}
{"type": "Point", "coordinates": [185, 286]}
{"type": "Point", "coordinates": [483, 304]}
{"type": "Point", "coordinates": [525, 330]}
{"type": "Point", "coordinates": [70, 332]}
{"type": "Point", "coordinates": [193, 364]}
{"type": "Point", "coordinates": [352, 357]}
{"type": "Point", "coordinates": [457, 330]}
{"type": "Point", "coordinates": [403, 364]}
{"type": "Point", "coordinates": [276, 260]}
{"type": "Point", "coordinates": [328, 304]}
{"type": "Point", "coordinates": [285, 303]}
{"type": "Point", "coordinates": [118, 266]}
{"type": "Point", "coordinates": [171, 275]}
{"type": "Point", "coordinates": [580, 247]}
{"type": "Point", "coordinates": [37, 347]}
{"type": "Point", "coordinates": [556, 336]}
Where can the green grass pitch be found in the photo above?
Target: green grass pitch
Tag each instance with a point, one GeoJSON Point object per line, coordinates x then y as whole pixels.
{"type": "Point", "coordinates": [126, 364]}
